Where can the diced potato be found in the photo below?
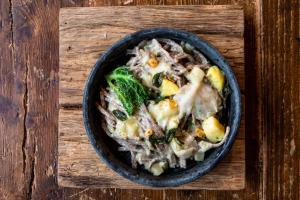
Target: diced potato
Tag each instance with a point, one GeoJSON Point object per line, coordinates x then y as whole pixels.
{"type": "Point", "coordinates": [199, 156]}
{"type": "Point", "coordinates": [196, 75]}
{"type": "Point", "coordinates": [199, 133]}
{"type": "Point", "coordinates": [158, 168]}
{"type": "Point", "coordinates": [213, 129]}
{"type": "Point", "coordinates": [128, 128]}
{"type": "Point", "coordinates": [168, 88]}
{"type": "Point", "coordinates": [216, 77]}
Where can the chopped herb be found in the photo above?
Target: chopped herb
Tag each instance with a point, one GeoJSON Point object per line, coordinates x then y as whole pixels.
{"type": "Point", "coordinates": [158, 79]}
{"type": "Point", "coordinates": [226, 91]}
{"type": "Point", "coordinates": [159, 98]}
{"type": "Point", "coordinates": [119, 115]}
{"type": "Point", "coordinates": [170, 134]}
{"type": "Point", "coordinates": [190, 124]}
{"type": "Point", "coordinates": [157, 140]}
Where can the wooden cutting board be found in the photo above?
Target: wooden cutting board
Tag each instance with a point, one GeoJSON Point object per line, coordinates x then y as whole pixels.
{"type": "Point", "coordinates": [85, 33]}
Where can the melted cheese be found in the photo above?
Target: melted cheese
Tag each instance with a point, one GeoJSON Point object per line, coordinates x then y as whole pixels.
{"type": "Point", "coordinates": [128, 128]}
{"type": "Point", "coordinates": [207, 102]}
{"type": "Point", "coordinates": [187, 94]}
{"type": "Point", "coordinates": [155, 46]}
{"type": "Point", "coordinates": [161, 67]}
{"type": "Point", "coordinates": [165, 114]}
{"type": "Point", "coordinates": [148, 72]}
{"type": "Point", "coordinates": [146, 78]}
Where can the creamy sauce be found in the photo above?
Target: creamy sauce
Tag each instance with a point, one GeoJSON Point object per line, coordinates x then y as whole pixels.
{"type": "Point", "coordinates": [207, 102]}
{"type": "Point", "coordinates": [148, 72]}
{"type": "Point", "coordinates": [128, 128]}
{"type": "Point", "coordinates": [185, 98]}
{"type": "Point", "coordinates": [165, 114]}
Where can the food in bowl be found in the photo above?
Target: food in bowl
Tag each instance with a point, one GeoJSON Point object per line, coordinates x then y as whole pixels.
{"type": "Point", "coordinates": [165, 106]}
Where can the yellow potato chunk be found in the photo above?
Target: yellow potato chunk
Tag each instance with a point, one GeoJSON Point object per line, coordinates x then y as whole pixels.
{"type": "Point", "coordinates": [168, 88]}
{"type": "Point", "coordinates": [128, 128]}
{"type": "Point", "coordinates": [213, 129]}
{"type": "Point", "coordinates": [216, 77]}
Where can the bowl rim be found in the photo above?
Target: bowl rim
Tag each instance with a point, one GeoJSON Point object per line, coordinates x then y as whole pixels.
{"type": "Point", "coordinates": [234, 126]}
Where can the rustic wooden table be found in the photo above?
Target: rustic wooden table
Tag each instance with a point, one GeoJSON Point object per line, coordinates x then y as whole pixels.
{"type": "Point", "coordinates": [29, 102]}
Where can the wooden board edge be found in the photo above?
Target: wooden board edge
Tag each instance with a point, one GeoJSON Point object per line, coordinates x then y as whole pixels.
{"type": "Point", "coordinates": [233, 7]}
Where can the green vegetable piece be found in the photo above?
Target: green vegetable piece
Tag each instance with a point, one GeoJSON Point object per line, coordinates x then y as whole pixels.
{"type": "Point", "coordinates": [119, 115]}
{"type": "Point", "coordinates": [159, 98]}
{"type": "Point", "coordinates": [129, 90]}
{"type": "Point", "coordinates": [226, 91]}
{"type": "Point", "coordinates": [170, 134]}
{"type": "Point", "coordinates": [157, 140]}
{"type": "Point", "coordinates": [158, 79]}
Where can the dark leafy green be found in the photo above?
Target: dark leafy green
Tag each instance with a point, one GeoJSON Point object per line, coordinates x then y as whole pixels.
{"type": "Point", "coordinates": [119, 115]}
{"type": "Point", "coordinates": [157, 140]}
{"type": "Point", "coordinates": [223, 114]}
{"type": "Point", "coordinates": [226, 91]}
{"type": "Point", "coordinates": [170, 134]}
{"type": "Point", "coordinates": [129, 90]}
{"type": "Point", "coordinates": [159, 98]}
{"type": "Point", "coordinates": [157, 79]}
{"type": "Point", "coordinates": [164, 139]}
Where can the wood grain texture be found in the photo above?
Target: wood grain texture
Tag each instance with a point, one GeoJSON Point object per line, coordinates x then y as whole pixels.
{"type": "Point", "coordinates": [281, 69]}
{"type": "Point", "coordinates": [261, 19]}
{"type": "Point", "coordinates": [81, 41]}
{"type": "Point", "coordinates": [79, 49]}
{"type": "Point", "coordinates": [35, 50]}
{"type": "Point", "coordinates": [79, 166]}
{"type": "Point", "coordinates": [12, 111]}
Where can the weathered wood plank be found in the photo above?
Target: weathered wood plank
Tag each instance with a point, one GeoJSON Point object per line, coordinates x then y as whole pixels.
{"type": "Point", "coordinates": [81, 43]}
{"type": "Point", "coordinates": [78, 161]}
{"type": "Point", "coordinates": [210, 19]}
{"type": "Point", "coordinates": [11, 180]}
{"type": "Point", "coordinates": [281, 92]}
{"type": "Point", "coordinates": [253, 85]}
{"type": "Point", "coordinates": [36, 61]}
{"type": "Point", "coordinates": [12, 111]}
{"type": "Point", "coordinates": [250, 193]}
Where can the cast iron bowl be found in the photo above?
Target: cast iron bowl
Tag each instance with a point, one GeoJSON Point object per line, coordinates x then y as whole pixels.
{"type": "Point", "coordinates": [107, 148]}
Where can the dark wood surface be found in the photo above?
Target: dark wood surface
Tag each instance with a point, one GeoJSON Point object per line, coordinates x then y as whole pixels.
{"type": "Point", "coordinates": [84, 33]}
{"type": "Point", "coordinates": [29, 102]}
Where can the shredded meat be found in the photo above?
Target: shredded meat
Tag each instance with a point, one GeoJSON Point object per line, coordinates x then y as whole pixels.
{"type": "Point", "coordinates": [196, 100]}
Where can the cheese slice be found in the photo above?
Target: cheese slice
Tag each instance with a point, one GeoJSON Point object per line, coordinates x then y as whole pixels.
{"type": "Point", "coordinates": [165, 113]}
{"type": "Point", "coordinates": [186, 96]}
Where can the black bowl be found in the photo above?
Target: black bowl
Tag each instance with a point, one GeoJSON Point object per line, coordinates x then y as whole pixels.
{"type": "Point", "coordinates": [106, 148]}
